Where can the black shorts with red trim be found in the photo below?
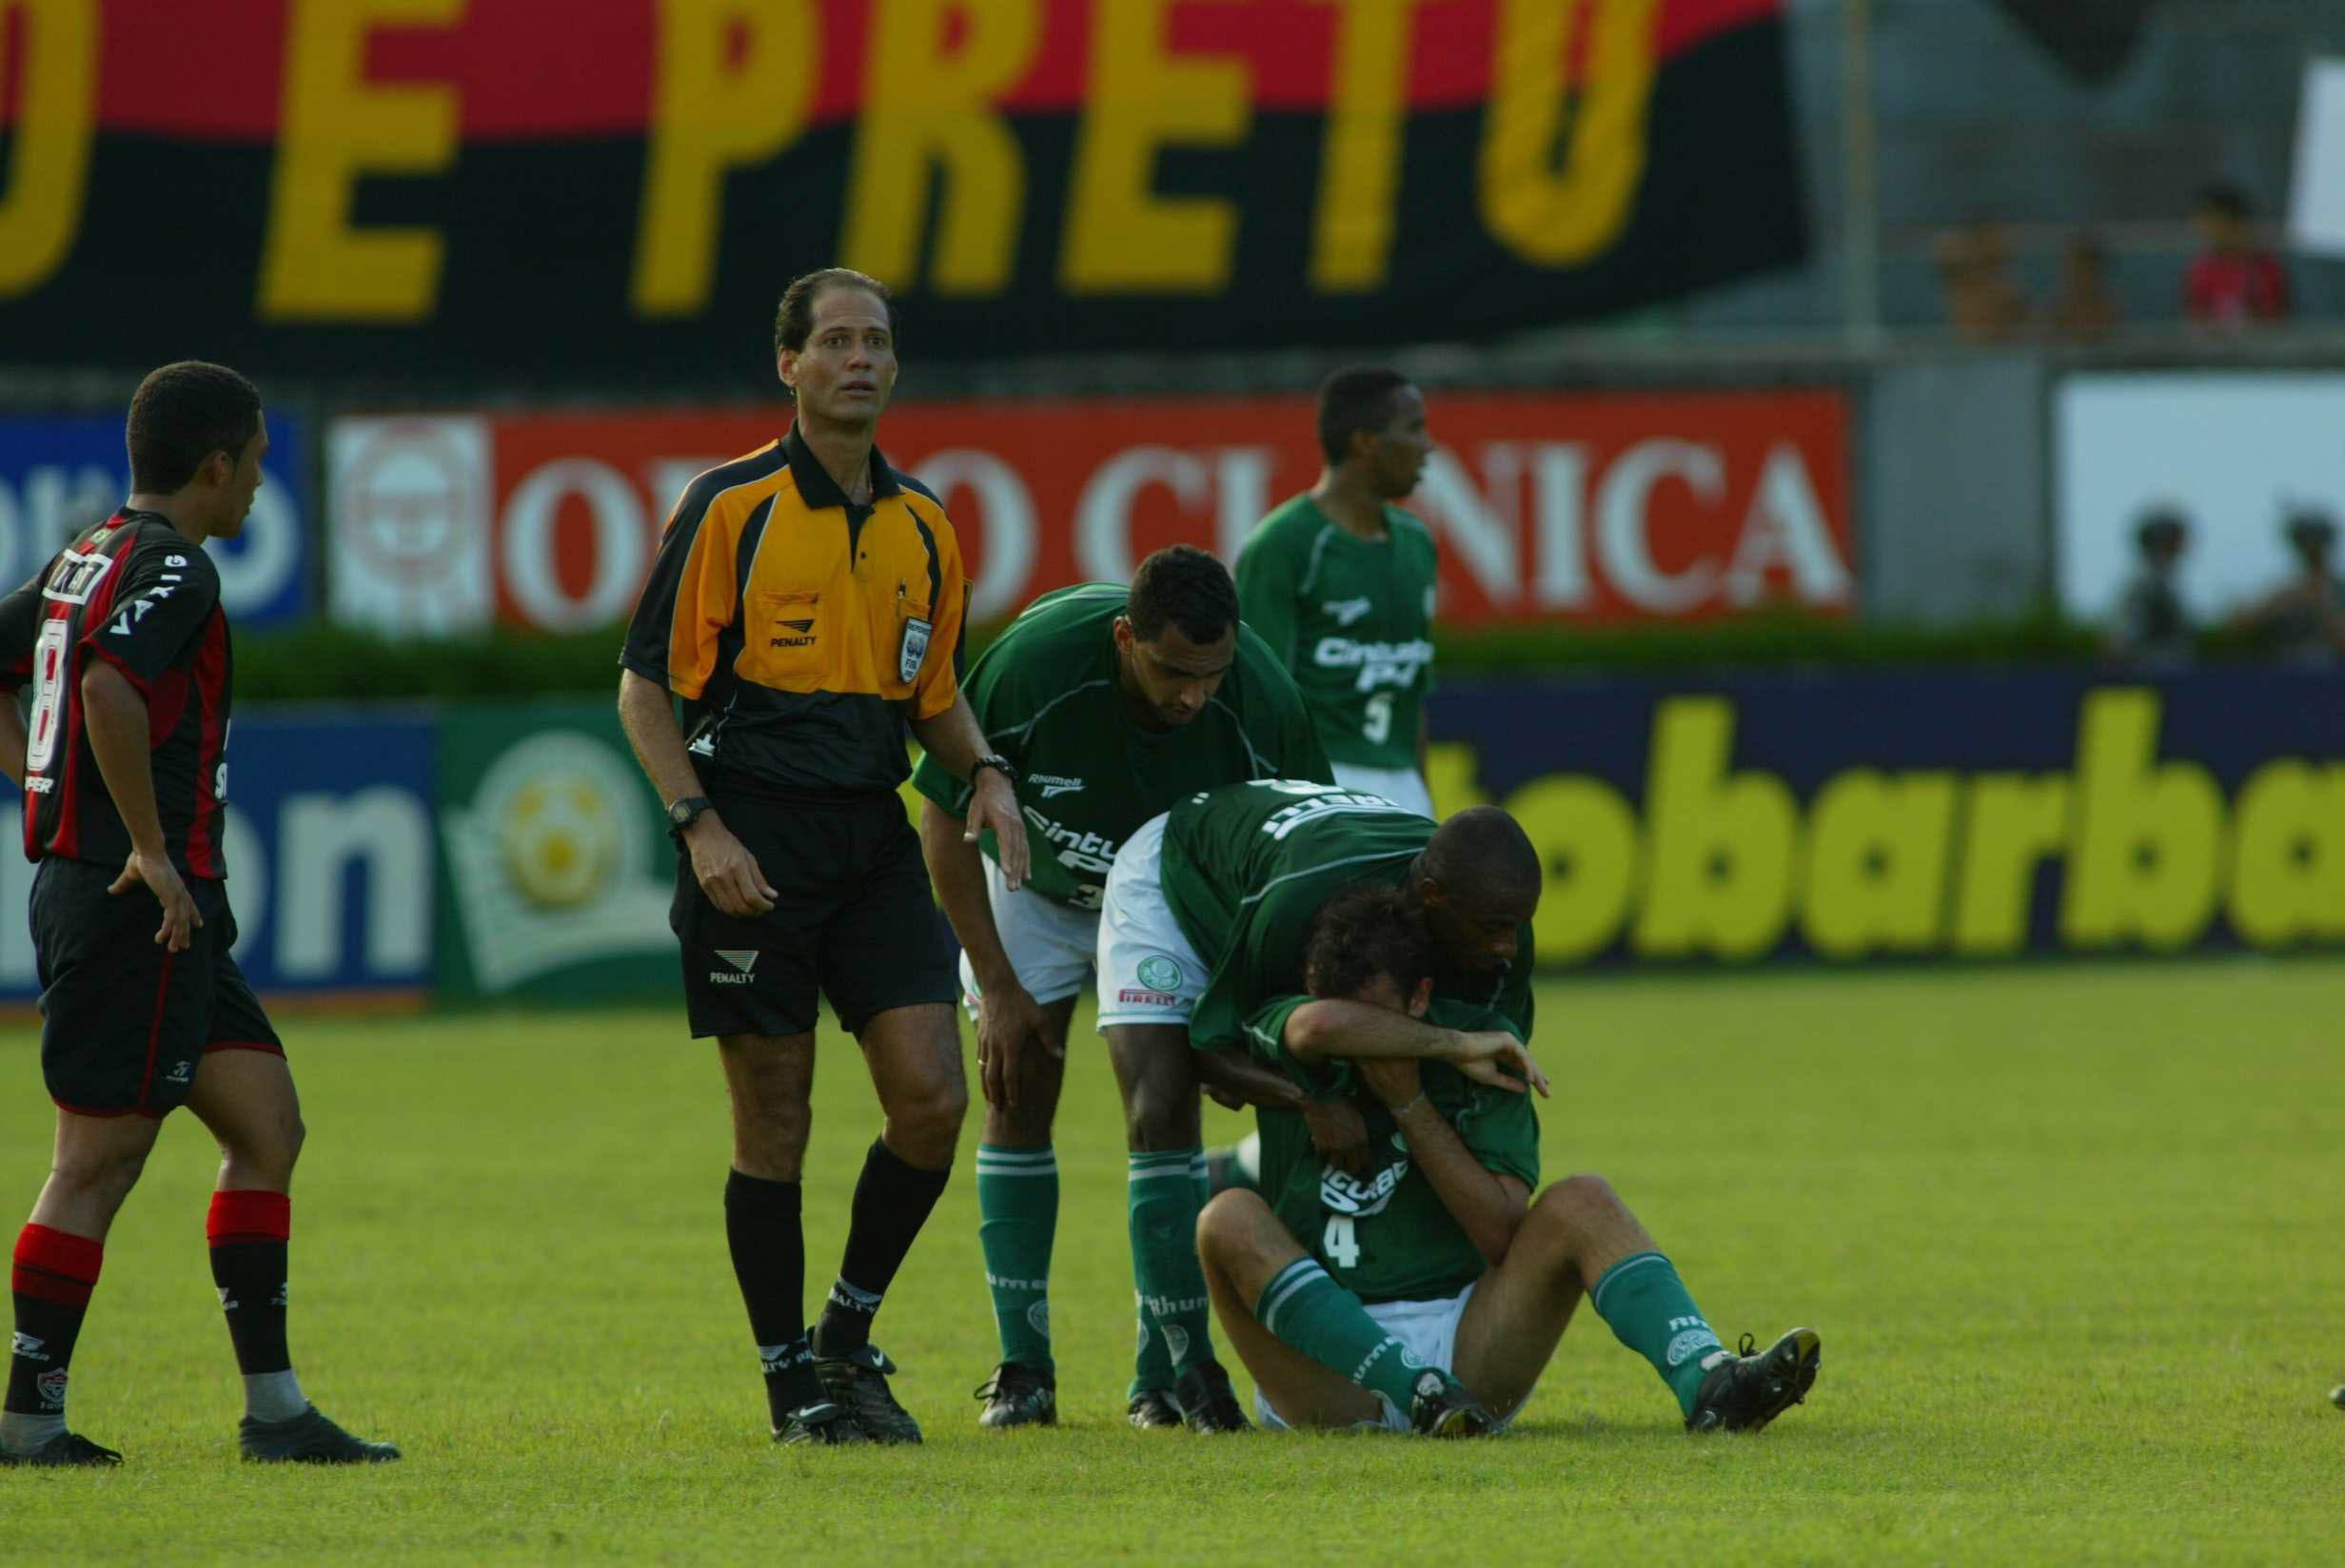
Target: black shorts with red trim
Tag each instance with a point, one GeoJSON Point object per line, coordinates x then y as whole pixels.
{"type": "Point", "coordinates": [125, 1024]}
{"type": "Point", "coordinates": [854, 919]}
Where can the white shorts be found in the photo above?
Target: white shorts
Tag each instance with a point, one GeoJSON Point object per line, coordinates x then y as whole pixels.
{"type": "Point", "coordinates": [1428, 1331]}
{"type": "Point", "coordinates": [1148, 972]}
{"type": "Point", "coordinates": [1049, 944]}
{"type": "Point", "coordinates": [1401, 786]}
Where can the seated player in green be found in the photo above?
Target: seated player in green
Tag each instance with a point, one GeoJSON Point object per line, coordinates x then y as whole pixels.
{"type": "Point", "coordinates": [1109, 704]}
{"type": "Point", "coordinates": [1430, 1293]}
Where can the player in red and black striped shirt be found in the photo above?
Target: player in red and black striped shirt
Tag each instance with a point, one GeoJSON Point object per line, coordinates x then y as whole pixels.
{"type": "Point", "coordinates": [122, 760]}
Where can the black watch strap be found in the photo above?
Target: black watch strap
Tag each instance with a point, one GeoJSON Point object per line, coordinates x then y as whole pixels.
{"type": "Point", "coordinates": [684, 811]}
{"type": "Point", "coordinates": [998, 763]}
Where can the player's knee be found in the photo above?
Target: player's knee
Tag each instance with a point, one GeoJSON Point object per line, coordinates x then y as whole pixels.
{"type": "Point", "coordinates": [1161, 1116]}
{"type": "Point", "coordinates": [928, 1118]}
{"type": "Point", "coordinates": [1576, 1200]}
{"type": "Point", "coordinates": [1228, 1216]}
{"type": "Point", "coordinates": [105, 1173]}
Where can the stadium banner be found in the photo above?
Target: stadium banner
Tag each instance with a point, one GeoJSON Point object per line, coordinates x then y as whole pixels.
{"type": "Point", "coordinates": [2235, 452]}
{"type": "Point", "coordinates": [330, 855]}
{"type": "Point", "coordinates": [436, 188]}
{"type": "Point", "coordinates": [558, 868]}
{"type": "Point", "coordinates": [58, 476]}
{"type": "Point", "coordinates": [1972, 815]}
{"type": "Point", "coordinates": [1585, 508]}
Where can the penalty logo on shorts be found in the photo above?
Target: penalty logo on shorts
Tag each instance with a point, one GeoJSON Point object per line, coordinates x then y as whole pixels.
{"type": "Point", "coordinates": [1158, 972]}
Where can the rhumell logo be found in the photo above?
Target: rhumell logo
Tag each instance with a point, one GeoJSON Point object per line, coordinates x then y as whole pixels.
{"type": "Point", "coordinates": [228, 1303]}
{"type": "Point", "coordinates": [28, 1347]}
{"type": "Point", "coordinates": [1346, 611]}
{"type": "Point", "coordinates": [181, 1072]}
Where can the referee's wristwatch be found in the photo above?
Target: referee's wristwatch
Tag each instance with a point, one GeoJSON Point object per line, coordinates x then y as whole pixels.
{"type": "Point", "coordinates": [685, 811]}
{"type": "Point", "coordinates": [1001, 764]}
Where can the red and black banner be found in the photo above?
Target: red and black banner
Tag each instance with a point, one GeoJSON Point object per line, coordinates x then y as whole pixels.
{"type": "Point", "coordinates": [618, 189]}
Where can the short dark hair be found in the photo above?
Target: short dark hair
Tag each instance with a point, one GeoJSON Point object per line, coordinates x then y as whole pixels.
{"type": "Point", "coordinates": [183, 414]}
{"type": "Point", "coordinates": [1363, 933]}
{"type": "Point", "coordinates": [1184, 586]}
{"type": "Point", "coordinates": [2225, 198]}
{"type": "Point", "coordinates": [1357, 398]}
{"type": "Point", "coordinates": [794, 318]}
{"type": "Point", "coordinates": [1482, 847]}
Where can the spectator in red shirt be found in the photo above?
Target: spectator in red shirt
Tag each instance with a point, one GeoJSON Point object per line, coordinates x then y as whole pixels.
{"type": "Point", "coordinates": [2233, 283]}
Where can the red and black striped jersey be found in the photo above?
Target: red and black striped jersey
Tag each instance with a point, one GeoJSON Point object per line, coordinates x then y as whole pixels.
{"type": "Point", "coordinates": [138, 594]}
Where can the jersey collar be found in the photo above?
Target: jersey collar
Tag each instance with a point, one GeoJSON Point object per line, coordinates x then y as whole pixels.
{"type": "Point", "coordinates": [814, 485]}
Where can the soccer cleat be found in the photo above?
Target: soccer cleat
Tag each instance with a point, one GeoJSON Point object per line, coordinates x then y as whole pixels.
{"type": "Point", "coordinates": [1152, 1410]}
{"type": "Point", "coordinates": [307, 1439]}
{"type": "Point", "coordinates": [1745, 1392]}
{"type": "Point", "coordinates": [1442, 1408]}
{"type": "Point", "coordinates": [66, 1448]}
{"type": "Point", "coordinates": [859, 1381]}
{"type": "Point", "coordinates": [1206, 1401]}
{"type": "Point", "coordinates": [821, 1422]}
{"type": "Point", "coordinates": [1018, 1395]}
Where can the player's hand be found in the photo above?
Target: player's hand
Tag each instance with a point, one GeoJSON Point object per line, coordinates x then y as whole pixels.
{"type": "Point", "coordinates": [1009, 1022]}
{"type": "Point", "coordinates": [1497, 1058]}
{"type": "Point", "coordinates": [1395, 1080]}
{"type": "Point", "coordinates": [1339, 1132]}
{"type": "Point", "coordinates": [160, 877]}
{"type": "Point", "coordinates": [727, 872]}
{"type": "Point", "coordinates": [994, 804]}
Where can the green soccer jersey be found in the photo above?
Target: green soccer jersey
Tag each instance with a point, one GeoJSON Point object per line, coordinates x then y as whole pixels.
{"type": "Point", "coordinates": [1245, 867]}
{"type": "Point", "coordinates": [1353, 619]}
{"type": "Point", "coordinates": [1045, 694]}
{"type": "Point", "coordinates": [1387, 1236]}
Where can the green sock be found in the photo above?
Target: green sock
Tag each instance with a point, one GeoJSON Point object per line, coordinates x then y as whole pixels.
{"type": "Point", "coordinates": [1017, 1216]}
{"type": "Point", "coordinates": [1163, 1199]}
{"type": "Point", "coordinates": [1648, 1310]}
{"type": "Point", "coordinates": [1308, 1311]}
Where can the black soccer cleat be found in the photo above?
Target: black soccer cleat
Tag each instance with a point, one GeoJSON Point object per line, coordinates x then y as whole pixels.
{"type": "Point", "coordinates": [1208, 1402]}
{"type": "Point", "coordinates": [1018, 1395]}
{"type": "Point", "coordinates": [307, 1439]}
{"type": "Point", "coordinates": [66, 1448]}
{"type": "Point", "coordinates": [819, 1423]}
{"type": "Point", "coordinates": [1442, 1408]}
{"type": "Point", "coordinates": [1745, 1392]}
{"type": "Point", "coordinates": [859, 1381]}
{"type": "Point", "coordinates": [1152, 1410]}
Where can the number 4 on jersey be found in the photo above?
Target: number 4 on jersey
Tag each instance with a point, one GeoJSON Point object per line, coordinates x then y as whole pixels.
{"type": "Point", "coordinates": [1342, 1241]}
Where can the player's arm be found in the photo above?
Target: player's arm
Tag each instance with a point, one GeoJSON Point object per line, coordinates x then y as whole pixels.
{"type": "Point", "coordinates": [115, 719]}
{"type": "Point", "coordinates": [1010, 1020]}
{"type": "Point", "coordinates": [1489, 1205]}
{"type": "Point", "coordinates": [954, 739]}
{"type": "Point", "coordinates": [1330, 1028]}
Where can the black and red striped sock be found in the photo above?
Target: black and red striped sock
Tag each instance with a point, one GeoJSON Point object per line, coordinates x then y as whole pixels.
{"type": "Point", "coordinates": [249, 1234]}
{"type": "Point", "coordinates": [54, 1273]}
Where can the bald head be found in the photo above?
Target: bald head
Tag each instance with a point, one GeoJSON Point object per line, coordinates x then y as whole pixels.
{"type": "Point", "coordinates": [1482, 848]}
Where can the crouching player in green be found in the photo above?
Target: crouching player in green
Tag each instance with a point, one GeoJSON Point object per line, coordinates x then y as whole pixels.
{"type": "Point", "coordinates": [1431, 1294]}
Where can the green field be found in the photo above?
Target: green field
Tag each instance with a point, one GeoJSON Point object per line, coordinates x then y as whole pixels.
{"type": "Point", "coordinates": [2072, 1238]}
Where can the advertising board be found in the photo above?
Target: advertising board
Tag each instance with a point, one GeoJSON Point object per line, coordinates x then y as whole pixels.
{"type": "Point", "coordinates": [330, 855]}
{"type": "Point", "coordinates": [1576, 508]}
{"type": "Point", "coordinates": [58, 476]}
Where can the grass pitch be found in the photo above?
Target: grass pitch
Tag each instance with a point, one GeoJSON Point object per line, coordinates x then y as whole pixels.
{"type": "Point", "coordinates": [2071, 1237]}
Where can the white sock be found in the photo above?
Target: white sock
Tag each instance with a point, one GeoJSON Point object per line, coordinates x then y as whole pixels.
{"type": "Point", "coordinates": [21, 1434]}
{"type": "Point", "coordinates": [273, 1396]}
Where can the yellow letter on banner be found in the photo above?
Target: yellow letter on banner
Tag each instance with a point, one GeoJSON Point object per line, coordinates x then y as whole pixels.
{"type": "Point", "coordinates": [708, 117]}
{"type": "Point", "coordinates": [927, 112]}
{"type": "Point", "coordinates": [1360, 171]}
{"type": "Point", "coordinates": [1122, 237]}
{"type": "Point", "coordinates": [56, 111]}
{"type": "Point", "coordinates": [1561, 217]}
{"type": "Point", "coordinates": [336, 127]}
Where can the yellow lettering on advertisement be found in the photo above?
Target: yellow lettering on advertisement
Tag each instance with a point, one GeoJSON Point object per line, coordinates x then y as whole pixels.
{"type": "Point", "coordinates": [1876, 852]}
{"type": "Point", "coordinates": [1362, 147]}
{"type": "Point", "coordinates": [2012, 823]}
{"type": "Point", "coordinates": [2288, 867]}
{"type": "Point", "coordinates": [338, 128]}
{"type": "Point", "coordinates": [2149, 837]}
{"type": "Point", "coordinates": [1122, 237]}
{"type": "Point", "coordinates": [1563, 208]}
{"type": "Point", "coordinates": [927, 114]}
{"type": "Point", "coordinates": [1452, 774]}
{"type": "Point", "coordinates": [1719, 872]}
{"type": "Point", "coordinates": [1587, 838]}
{"type": "Point", "coordinates": [55, 67]}
{"type": "Point", "coordinates": [733, 87]}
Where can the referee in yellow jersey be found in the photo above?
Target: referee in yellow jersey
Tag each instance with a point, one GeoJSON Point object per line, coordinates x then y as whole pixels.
{"type": "Point", "coordinates": [806, 606]}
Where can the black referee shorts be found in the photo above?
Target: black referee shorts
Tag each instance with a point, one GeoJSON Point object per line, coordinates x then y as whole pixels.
{"type": "Point", "coordinates": [125, 1023]}
{"type": "Point", "coordinates": [854, 919]}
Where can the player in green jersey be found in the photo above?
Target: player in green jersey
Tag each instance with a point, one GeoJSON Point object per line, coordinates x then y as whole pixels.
{"type": "Point", "coordinates": [1109, 704]}
{"type": "Point", "coordinates": [1382, 1301]}
{"type": "Point", "coordinates": [1340, 583]}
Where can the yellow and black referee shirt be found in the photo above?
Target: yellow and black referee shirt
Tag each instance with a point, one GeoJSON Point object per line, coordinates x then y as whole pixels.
{"type": "Point", "coordinates": [801, 631]}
